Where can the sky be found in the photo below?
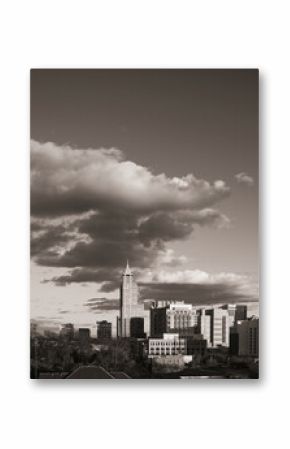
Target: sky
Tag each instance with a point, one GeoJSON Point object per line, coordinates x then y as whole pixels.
{"type": "Point", "coordinates": [156, 166]}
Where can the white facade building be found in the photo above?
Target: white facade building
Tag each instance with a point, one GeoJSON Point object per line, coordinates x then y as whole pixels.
{"type": "Point", "coordinates": [180, 316]}
{"type": "Point", "coordinates": [219, 327]}
{"type": "Point", "coordinates": [170, 344]}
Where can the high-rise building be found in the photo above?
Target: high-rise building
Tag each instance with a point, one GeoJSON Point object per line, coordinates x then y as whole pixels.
{"type": "Point", "coordinates": [245, 338]}
{"type": "Point", "coordinates": [178, 317]}
{"type": "Point", "coordinates": [137, 327]}
{"type": "Point", "coordinates": [241, 312]}
{"type": "Point", "coordinates": [204, 326]}
{"type": "Point", "coordinates": [181, 315]}
{"type": "Point", "coordinates": [104, 329]}
{"type": "Point", "coordinates": [231, 308]}
{"type": "Point", "coordinates": [219, 327]}
{"type": "Point", "coordinates": [129, 306]}
{"type": "Point", "coordinates": [171, 317]}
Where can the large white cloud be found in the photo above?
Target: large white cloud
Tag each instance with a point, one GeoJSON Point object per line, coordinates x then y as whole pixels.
{"type": "Point", "coordinates": [68, 180]}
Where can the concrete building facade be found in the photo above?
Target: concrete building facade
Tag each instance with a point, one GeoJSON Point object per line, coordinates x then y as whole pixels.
{"type": "Point", "coordinates": [219, 327]}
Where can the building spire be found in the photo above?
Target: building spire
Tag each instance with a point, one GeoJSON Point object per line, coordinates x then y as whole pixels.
{"type": "Point", "coordinates": [127, 271]}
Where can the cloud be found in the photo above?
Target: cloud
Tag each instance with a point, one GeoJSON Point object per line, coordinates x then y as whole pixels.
{"type": "Point", "coordinates": [243, 178]}
{"type": "Point", "coordinates": [199, 287]}
{"type": "Point", "coordinates": [192, 286]}
{"type": "Point", "coordinates": [66, 180]}
{"type": "Point", "coordinates": [92, 210]}
{"type": "Point", "coordinates": [86, 275]}
{"type": "Point", "coordinates": [102, 304]}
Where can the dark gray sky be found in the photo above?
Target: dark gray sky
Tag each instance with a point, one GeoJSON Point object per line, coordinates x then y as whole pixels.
{"type": "Point", "coordinates": [170, 120]}
{"type": "Point", "coordinates": [176, 122]}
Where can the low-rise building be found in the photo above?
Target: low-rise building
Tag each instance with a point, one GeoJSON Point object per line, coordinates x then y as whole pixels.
{"type": "Point", "coordinates": [169, 344]}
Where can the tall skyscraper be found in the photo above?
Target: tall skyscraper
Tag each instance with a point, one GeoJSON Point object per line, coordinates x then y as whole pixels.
{"type": "Point", "coordinates": [129, 306]}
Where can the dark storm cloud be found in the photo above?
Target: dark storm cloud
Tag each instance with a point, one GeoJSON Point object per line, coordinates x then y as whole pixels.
{"type": "Point", "coordinates": [178, 225]}
{"type": "Point", "coordinates": [85, 275]}
{"type": "Point", "coordinates": [102, 304]}
{"type": "Point", "coordinates": [112, 238]}
{"type": "Point", "coordinates": [45, 237]}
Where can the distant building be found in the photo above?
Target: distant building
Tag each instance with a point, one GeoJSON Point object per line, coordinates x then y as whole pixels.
{"type": "Point", "coordinates": [169, 344]}
{"type": "Point", "coordinates": [67, 331]}
{"type": "Point", "coordinates": [84, 336]}
{"type": "Point", "coordinates": [241, 312]}
{"type": "Point", "coordinates": [244, 339]}
{"type": "Point", "coordinates": [104, 329]}
{"type": "Point", "coordinates": [219, 327]}
{"type": "Point", "coordinates": [137, 327]}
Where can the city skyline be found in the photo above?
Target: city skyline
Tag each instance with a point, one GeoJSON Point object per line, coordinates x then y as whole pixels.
{"type": "Point", "coordinates": [156, 166]}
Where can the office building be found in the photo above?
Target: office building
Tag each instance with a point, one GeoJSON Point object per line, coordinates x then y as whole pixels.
{"type": "Point", "coordinates": [171, 317]}
{"type": "Point", "coordinates": [181, 315]}
{"type": "Point", "coordinates": [219, 327]}
{"type": "Point", "coordinates": [137, 327]}
{"type": "Point", "coordinates": [104, 329]}
{"type": "Point", "coordinates": [204, 326]}
{"type": "Point", "coordinates": [244, 338]}
{"type": "Point", "coordinates": [158, 321]}
{"type": "Point", "coordinates": [169, 344]}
